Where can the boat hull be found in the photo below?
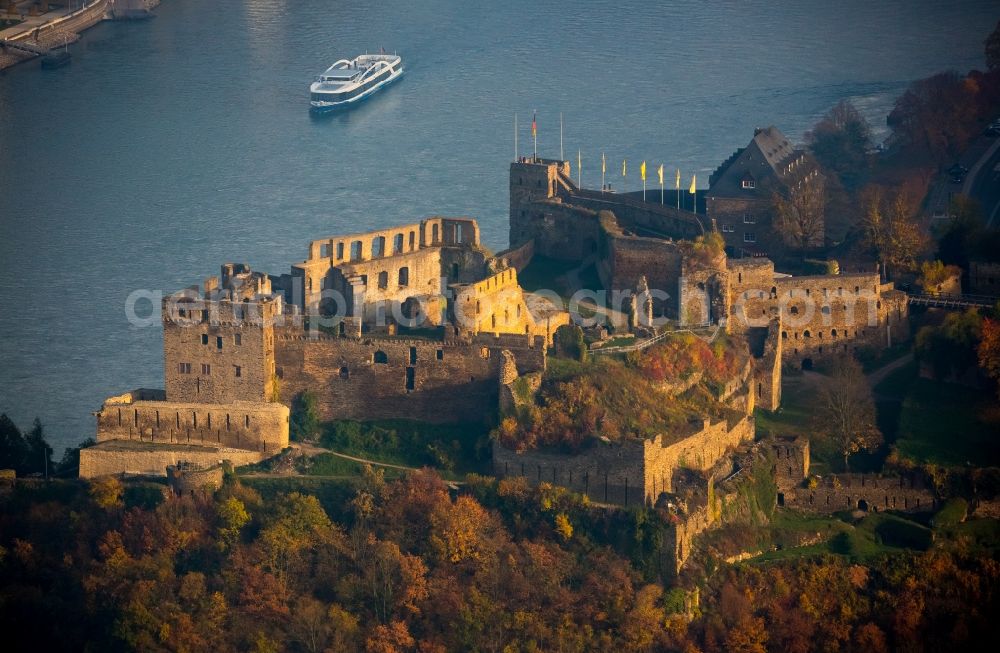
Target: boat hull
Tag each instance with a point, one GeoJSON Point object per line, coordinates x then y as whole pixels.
{"type": "Point", "coordinates": [317, 106]}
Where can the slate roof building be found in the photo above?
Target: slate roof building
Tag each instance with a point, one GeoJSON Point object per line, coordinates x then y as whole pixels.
{"type": "Point", "coordinates": [741, 192]}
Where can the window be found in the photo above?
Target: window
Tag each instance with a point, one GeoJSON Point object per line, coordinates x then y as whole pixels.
{"type": "Point", "coordinates": [239, 371]}
{"type": "Point", "coordinates": [340, 251]}
{"type": "Point", "coordinates": [749, 183]}
{"type": "Point", "coordinates": [184, 368]}
{"type": "Point", "coordinates": [397, 243]}
{"type": "Point", "coordinates": [356, 250]}
{"type": "Point", "coordinates": [749, 237]}
{"type": "Point", "coordinates": [378, 246]}
{"type": "Point", "coordinates": [238, 339]}
{"type": "Point", "coordinates": [728, 228]}
{"type": "Point", "coordinates": [206, 369]}
{"type": "Point", "coordinates": [411, 374]}
{"type": "Point", "coordinates": [380, 358]}
{"type": "Point", "coordinates": [218, 342]}
{"type": "Point", "coordinates": [404, 277]}
{"type": "Point", "coordinates": [749, 218]}
{"type": "Point", "coordinates": [204, 338]}
{"type": "Point", "coordinates": [440, 354]}
{"type": "Point", "coordinates": [345, 373]}
{"type": "Point", "coordinates": [383, 280]}
{"type": "Point", "coordinates": [485, 352]}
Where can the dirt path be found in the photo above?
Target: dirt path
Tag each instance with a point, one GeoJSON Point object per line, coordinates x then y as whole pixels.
{"type": "Point", "coordinates": [879, 375]}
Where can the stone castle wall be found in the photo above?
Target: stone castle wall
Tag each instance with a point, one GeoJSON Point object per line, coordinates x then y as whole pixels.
{"type": "Point", "coordinates": [261, 427]}
{"type": "Point", "coordinates": [861, 491]}
{"type": "Point", "coordinates": [152, 460]}
{"type": "Point", "coordinates": [384, 377]}
{"type": "Point", "coordinates": [632, 472]}
{"type": "Point", "coordinates": [820, 315]}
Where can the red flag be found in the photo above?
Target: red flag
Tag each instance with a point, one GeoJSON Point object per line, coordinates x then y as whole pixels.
{"type": "Point", "coordinates": [534, 126]}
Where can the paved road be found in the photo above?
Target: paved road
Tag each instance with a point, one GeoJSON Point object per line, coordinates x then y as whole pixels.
{"type": "Point", "coordinates": [983, 183]}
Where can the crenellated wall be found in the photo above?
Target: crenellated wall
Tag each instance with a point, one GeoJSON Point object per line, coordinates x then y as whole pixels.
{"type": "Point", "coordinates": [260, 427]}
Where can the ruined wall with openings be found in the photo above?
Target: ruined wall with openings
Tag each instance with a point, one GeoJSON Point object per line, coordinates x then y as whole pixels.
{"type": "Point", "coordinates": [820, 315]}
{"type": "Point", "coordinates": [766, 346]}
{"type": "Point", "coordinates": [393, 377]}
{"type": "Point", "coordinates": [791, 461]}
{"type": "Point", "coordinates": [395, 263]}
{"type": "Point", "coordinates": [868, 492]}
{"type": "Point", "coordinates": [984, 278]}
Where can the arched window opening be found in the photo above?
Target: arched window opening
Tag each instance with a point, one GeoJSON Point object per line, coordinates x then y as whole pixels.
{"type": "Point", "coordinates": [383, 280]}
{"type": "Point", "coordinates": [404, 277]}
{"type": "Point", "coordinates": [381, 358]}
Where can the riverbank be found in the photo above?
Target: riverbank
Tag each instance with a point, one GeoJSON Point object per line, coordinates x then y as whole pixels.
{"type": "Point", "coordinates": [37, 34]}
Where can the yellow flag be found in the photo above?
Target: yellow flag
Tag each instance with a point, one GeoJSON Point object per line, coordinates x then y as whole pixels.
{"type": "Point", "coordinates": [623, 167]}
{"type": "Point", "coordinates": [642, 171]}
{"type": "Point", "coordinates": [693, 182]}
{"type": "Point", "coordinates": [660, 173]}
{"type": "Point", "coordinates": [604, 164]}
{"type": "Point", "coordinates": [677, 183]}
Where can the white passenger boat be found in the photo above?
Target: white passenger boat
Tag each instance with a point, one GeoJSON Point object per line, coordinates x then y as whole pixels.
{"type": "Point", "coordinates": [351, 80]}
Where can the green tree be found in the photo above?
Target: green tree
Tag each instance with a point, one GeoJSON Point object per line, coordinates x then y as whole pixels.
{"type": "Point", "coordinates": [13, 448]}
{"type": "Point", "coordinates": [305, 417]}
{"type": "Point", "coordinates": [950, 347]}
{"type": "Point", "coordinates": [840, 142]}
{"type": "Point", "coordinates": [39, 458]}
{"type": "Point", "coordinates": [69, 466]}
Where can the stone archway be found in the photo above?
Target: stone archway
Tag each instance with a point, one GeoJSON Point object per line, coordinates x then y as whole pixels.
{"type": "Point", "coordinates": [862, 505]}
{"type": "Point", "coordinates": [807, 364]}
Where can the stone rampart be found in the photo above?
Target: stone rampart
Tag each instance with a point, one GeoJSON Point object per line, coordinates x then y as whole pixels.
{"type": "Point", "coordinates": [152, 459]}
{"type": "Point", "coordinates": [861, 492]}
{"type": "Point", "coordinates": [627, 472]}
{"type": "Point", "coordinates": [258, 427]}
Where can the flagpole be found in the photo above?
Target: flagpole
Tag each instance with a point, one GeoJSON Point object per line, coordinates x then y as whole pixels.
{"type": "Point", "coordinates": [534, 134]}
{"type": "Point", "coordinates": [579, 170]}
{"type": "Point", "coordinates": [561, 156]}
{"type": "Point", "coordinates": [515, 136]}
{"type": "Point", "coordinates": [604, 167]}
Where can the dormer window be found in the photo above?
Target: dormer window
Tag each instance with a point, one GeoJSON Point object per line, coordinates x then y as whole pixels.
{"type": "Point", "coordinates": [749, 182]}
{"type": "Point", "coordinates": [748, 218]}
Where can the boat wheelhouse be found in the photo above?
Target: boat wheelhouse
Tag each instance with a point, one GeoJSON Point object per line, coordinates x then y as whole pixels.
{"type": "Point", "coordinates": [351, 80]}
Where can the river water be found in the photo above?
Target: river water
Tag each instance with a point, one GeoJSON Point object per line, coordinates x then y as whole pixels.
{"type": "Point", "coordinates": [172, 145]}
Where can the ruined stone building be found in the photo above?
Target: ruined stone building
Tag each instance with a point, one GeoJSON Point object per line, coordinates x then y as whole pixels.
{"type": "Point", "coordinates": [741, 191]}
{"type": "Point", "coordinates": [814, 316]}
{"type": "Point", "coordinates": [402, 323]}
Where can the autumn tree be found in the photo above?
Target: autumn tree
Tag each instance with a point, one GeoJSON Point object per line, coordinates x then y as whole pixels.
{"type": "Point", "coordinates": [890, 229]}
{"type": "Point", "coordinates": [989, 349]}
{"type": "Point", "coordinates": [799, 215]}
{"type": "Point", "coordinates": [846, 410]}
{"type": "Point", "coordinates": [936, 116]}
